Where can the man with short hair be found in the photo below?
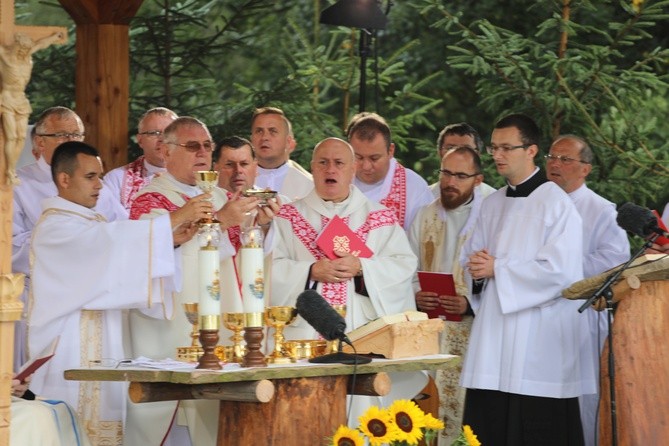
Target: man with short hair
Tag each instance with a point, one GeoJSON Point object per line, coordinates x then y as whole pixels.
{"type": "Point", "coordinates": [187, 146]}
{"type": "Point", "coordinates": [125, 181]}
{"type": "Point", "coordinates": [436, 236]}
{"type": "Point", "coordinates": [235, 162]}
{"type": "Point", "coordinates": [457, 135]}
{"type": "Point", "coordinates": [605, 244]}
{"type": "Point", "coordinates": [273, 142]}
{"type": "Point", "coordinates": [85, 272]}
{"type": "Point", "coordinates": [379, 175]}
{"type": "Point", "coordinates": [54, 126]}
{"type": "Point", "coordinates": [527, 359]}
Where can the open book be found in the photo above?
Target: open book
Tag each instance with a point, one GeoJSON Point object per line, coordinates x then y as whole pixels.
{"type": "Point", "coordinates": [35, 363]}
{"type": "Point", "coordinates": [377, 324]}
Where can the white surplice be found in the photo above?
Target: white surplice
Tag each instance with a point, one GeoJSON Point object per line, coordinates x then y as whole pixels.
{"type": "Point", "coordinates": [415, 195]}
{"type": "Point", "coordinates": [605, 245]}
{"type": "Point", "coordinates": [44, 423]}
{"type": "Point", "coordinates": [436, 237]}
{"type": "Point", "coordinates": [85, 273]}
{"type": "Point", "coordinates": [125, 181]}
{"type": "Point", "coordinates": [289, 179]}
{"type": "Point", "coordinates": [526, 339]}
{"type": "Point", "coordinates": [387, 274]}
{"type": "Point", "coordinates": [36, 185]}
{"type": "Point", "coordinates": [149, 422]}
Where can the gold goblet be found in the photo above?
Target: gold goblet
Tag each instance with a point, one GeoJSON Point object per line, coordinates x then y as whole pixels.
{"type": "Point", "coordinates": [206, 180]}
{"type": "Point", "coordinates": [279, 317]}
{"type": "Point", "coordinates": [333, 346]}
{"type": "Point", "coordinates": [235, 322]}
{"type": "Point", "coordinates": [192, 353]}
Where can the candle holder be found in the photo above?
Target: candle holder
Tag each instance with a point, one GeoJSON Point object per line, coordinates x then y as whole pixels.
{"type": "Point", "coordinates": [206, 180]}
{"type": "Point", "coordinates": [235, 322]}
{"type": "Point", "coordinates": [253, 335]}
{"type": "Point", "coordinates": [209, 325]}
{"type": "Point", "coordinates": [279, 317]}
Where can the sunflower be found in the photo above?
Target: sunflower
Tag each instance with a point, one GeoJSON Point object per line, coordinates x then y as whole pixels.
{"type": "Point", "coordinates": [378, 426]}
{"type": "Point", "coordinates": [469, 436]}
{"type": "Point", "coordinates": [432, 423]}
{"type": "Point", "coordinates": [408, 418]}
{"type": "Point", "coordinates": [345, 436]}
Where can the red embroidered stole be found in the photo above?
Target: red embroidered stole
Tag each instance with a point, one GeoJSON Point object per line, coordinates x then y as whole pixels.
{"type": "Point", "coordinates": [397, 197]}
{"type": "Point", "coordinates": [136, 177]}
{"type": "Point", "coordinates": [334, 293]}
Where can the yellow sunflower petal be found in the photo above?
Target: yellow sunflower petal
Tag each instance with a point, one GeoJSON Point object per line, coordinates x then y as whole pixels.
{"type": "Point", "coordinates": [345, 436]}
{"type": "Point", "coordinates": [408, 418]}
{"type": "Point", "coordinates": [470, 437]}
{"type": "Point", "coordinates": [377, 425]}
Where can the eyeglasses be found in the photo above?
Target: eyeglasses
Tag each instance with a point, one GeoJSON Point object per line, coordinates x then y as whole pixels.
{"type": "Point", "coordinates": [460, 176]}
{"type": "Point", "coordinates": [194, 146]}
{"type": "Point", "coordinates": [491, 149]}
{"type": "Point", "coordinates": [155, 133]}
{"type": "Point", "coordinates": [63, 135]}
{"type": "Point", "coordinates": [562, 159]}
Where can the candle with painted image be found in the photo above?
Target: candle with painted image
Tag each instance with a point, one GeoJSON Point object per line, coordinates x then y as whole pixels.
{"type": "Point", "coordinates": [209, 263]}
{"type": "Point", "coordinates": [253, 276]}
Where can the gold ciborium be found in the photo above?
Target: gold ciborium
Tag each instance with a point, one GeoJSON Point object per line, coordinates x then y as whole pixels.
{"type": "Point", "coordinates": [333, 346]}
{"type": "Point", "coordinates": [279, 317]}
{"type": "Point", "coordinates": [206, 180]}
{"type": "Point", "coordinates": [192, 353]}
{"type": "Point", "coordinates": [263, 194]}
{"type": "Point", "coordinates": [235, 322]}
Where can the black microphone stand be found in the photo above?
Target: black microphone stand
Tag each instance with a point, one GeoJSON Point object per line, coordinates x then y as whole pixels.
{"type": "Point", "coordinates": [605, 291]}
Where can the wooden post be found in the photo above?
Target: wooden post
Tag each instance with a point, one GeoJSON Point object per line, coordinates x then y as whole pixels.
{"type": "Point", "coordinates": [11, 285]}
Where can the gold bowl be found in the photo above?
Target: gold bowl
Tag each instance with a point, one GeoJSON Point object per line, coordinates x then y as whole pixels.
{"type": "Point", "coordinates": [305, 348]}
{"type": "Point", "coordinates": [263, 194]}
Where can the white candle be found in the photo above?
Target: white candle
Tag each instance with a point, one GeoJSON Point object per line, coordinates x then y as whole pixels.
{"type": "Point", "coordinates": [253, 279]}
{"type": "Point", "coordinates": [210, 287]}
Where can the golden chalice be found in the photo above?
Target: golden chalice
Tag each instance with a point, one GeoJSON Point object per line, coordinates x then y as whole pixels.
{"type": "Point", "coordinates": [235, 322]}
{"type": "Point", "coordinates": [333, 346]}
{"type": "Point", "coordinates": [192, 353]}
{"type": "Point", "coordinates": [279, 317]}
{"type": "Point", "coordinates": [206, 180]}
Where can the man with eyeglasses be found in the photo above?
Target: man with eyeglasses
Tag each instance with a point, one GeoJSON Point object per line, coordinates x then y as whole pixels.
{"type": "Point", "coordinates": [457, 135]}
{"type": "Point", "coordinates": [528, 360]}
{"type": "Point", "coordinates": [54, 126]}
{"type": "Point", "coordinates": [379, 175]}
{"type": "Point", "coordinates": [86, 272]}
{"type": "Point", "coordinates": [605, 244]}
{"type": "Point", "coordinates": [273, 142]}
{"type": "Point", "coordinates": [125, 181]}
{"type": "Point", "coordinates": [187, 146]}
{"type": "Point", "coordinates": [436, 236]}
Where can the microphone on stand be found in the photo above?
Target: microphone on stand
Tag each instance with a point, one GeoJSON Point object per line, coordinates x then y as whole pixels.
{"type": "Point", "coordinates": [639, 221]}
{"type": "Point", "coordinates": [329, 324]}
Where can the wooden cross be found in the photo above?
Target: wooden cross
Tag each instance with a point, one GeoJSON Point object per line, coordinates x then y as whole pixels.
{"type": "Point", "coordinates": [8, 28]}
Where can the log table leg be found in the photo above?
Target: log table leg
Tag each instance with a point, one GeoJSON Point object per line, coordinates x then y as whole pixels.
{"type": "Point", "coordinates": [304, 411]}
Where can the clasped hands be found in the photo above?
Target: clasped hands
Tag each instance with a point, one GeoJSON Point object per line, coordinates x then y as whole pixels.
{"type": "Point", "coordinates": [428, 300]}
{"type": "Point", "coordinates": [337, 270]}
{"type": "Point", "coordinates": [481, 265]}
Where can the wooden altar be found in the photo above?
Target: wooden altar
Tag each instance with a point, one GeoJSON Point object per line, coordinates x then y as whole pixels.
{"type": "Point", "coordinates": [276, 405]}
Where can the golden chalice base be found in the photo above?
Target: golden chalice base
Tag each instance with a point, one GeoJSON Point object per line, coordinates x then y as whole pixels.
{"type": "Point", "coordinates": [306, 348]}
{"type": "Point", "coordinates": [189, 354]}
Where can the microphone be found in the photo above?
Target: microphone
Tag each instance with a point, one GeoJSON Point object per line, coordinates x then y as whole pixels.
{"type": "Point", "coordinates": [321, 316]}
{"type": "Point", "coordinates": [638, 220]}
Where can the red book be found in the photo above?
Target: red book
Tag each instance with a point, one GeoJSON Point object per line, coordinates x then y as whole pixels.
{"type": "Point", "coordinates": [29, 367]}
{"type": "Point", "coordinates": [443, 285]}
{"type": "Point", "coordinates": [661, 240]}
{"type": "Point", "coordinates": [337, 236]}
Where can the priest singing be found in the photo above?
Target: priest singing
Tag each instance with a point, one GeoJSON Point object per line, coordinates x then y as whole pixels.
{"type": "Point", "coordinates": [85, 272]}
{"type": "Point", "coordinates": [369, 287]}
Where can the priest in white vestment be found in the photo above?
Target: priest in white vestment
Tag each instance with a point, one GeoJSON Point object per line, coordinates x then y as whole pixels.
{"type": "Point", "coordinates": [379, 175]}
{"type": "Point", "coordinates": [605, 245]}
{"type": "Point", "coordinates": [85, 272]}
{"type": "Point", "coordinates": [273, 142]}
{"type": "Point", "coordinates": [124, 182]}
{"type": "Point", "coordinates": [437, 235]}
{"type": "Point", "coordinates": [54, 126]}
{"type": "Point", "coordinates": [369, 287]}
{"type": "Point", "coordinates": [188, 146]}
{"type": "Point", "coordinates": [528, 357]}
